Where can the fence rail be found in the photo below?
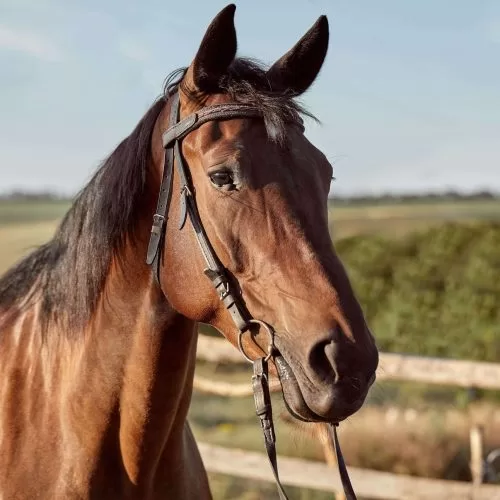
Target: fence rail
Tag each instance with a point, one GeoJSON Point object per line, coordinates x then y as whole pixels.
{"type": "Point", "coordinates": [317, 475]}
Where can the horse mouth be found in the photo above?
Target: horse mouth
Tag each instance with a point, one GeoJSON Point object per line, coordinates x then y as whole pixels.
{"type": "Point", "coordinates": [296, 403]}
{"type": "Point", "coordinates": [292, 395]}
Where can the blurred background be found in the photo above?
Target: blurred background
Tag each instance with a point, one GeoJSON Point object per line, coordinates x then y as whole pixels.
{"type": "Point", "coordinates": [409, 104]}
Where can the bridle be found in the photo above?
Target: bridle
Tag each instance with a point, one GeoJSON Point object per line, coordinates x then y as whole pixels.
{"type": "Point", "coordinates": [215, 271]}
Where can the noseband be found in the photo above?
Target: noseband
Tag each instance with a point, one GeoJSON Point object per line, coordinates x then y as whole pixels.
{"type": "Point", "coordinates": [215, 271]}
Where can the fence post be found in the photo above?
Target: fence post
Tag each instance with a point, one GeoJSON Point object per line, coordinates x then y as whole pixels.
{"type": "Point", "coordinates": [476, 456]}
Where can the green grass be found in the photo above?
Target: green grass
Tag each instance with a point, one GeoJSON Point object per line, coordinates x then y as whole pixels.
{"type": "Point", "coordinates": [398, 220]}
{"type": "Point", "coordinates": [17, 240]}
{"type": "Point", "coordinates": [24, 225]}
{"type": "Point", "coordinates": [13, 212]}
{"type": "Point", "coordinates": [444, 210]}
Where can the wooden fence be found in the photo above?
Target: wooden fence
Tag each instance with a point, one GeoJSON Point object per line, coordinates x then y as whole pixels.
{"type": "Point", "coordinates": [316, 475]}
{"type": "Point", "coordinates": [367, 483]}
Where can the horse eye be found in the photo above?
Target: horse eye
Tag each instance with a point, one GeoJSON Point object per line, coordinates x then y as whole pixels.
{"type": "Point", "coordinates": [221, 179]}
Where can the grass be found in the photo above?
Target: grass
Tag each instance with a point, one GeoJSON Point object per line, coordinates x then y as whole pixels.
{"type": "Point", "coordinates": [19, 239]}
{"type": "Point", "coordinates": [427, 437]}
{"type": "Point", "coordinates": [24, 225]}
{"type": "Point", "coordinates": [13, 212]}
{"type": "Point", "coordinates": [397, 220]}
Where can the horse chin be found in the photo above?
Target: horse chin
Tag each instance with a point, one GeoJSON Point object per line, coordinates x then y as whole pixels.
{"type": "Point", "coordinates": [292, 395]}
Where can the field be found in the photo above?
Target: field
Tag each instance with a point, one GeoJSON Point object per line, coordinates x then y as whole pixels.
{"type": "Point", "coordinates": [428, 428]}
{"type": "Point", "coordinates": [24, 225]}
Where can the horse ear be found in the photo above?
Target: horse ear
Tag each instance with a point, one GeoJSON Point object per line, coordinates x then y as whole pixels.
{"type": "Point", "coordinates": [216, 52]}
{"type": "Point", "coordinates": [299, 67]}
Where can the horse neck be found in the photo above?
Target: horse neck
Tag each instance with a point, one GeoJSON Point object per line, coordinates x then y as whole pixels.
{"type": "Point", "coordinates": [129, 396]}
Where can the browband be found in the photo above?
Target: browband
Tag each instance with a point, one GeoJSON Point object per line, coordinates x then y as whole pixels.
{"type": "Point", "coordinates": [217, 112]}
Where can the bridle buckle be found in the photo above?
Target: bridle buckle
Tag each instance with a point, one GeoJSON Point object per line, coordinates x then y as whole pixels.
{"type": "Point", "coordinates": [158, 223]}
{"type": "Point", "coordinates": [158, 218]}
{"type": "Point", "coordinates": [223, 288]}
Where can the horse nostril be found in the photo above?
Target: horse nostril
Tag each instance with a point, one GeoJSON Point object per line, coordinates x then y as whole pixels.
{"type": "Point", "coordinates": [322, 359]}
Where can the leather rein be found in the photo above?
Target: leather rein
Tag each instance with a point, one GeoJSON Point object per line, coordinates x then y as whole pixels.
{"type": "Point", "coordinates": [229, 294]}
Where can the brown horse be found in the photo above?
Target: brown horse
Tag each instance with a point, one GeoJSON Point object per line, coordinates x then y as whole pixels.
{"type": "Point", "coordinates": [97, 357]}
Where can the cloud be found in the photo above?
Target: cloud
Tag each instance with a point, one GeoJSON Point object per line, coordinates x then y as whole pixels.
{"type": "Point", "coordinates": [29, 43]}
{"type": "Point", "coordinates": [133, 50]}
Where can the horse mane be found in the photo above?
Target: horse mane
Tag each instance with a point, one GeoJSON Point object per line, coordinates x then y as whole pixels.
{"type": "Point", "coordinates": [67, 274]}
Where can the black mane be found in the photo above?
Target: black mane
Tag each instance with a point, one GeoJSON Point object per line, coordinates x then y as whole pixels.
{"type": "Point", "coordinates": [68, 272]}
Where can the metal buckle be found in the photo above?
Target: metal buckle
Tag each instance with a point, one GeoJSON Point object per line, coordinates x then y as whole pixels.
{"type": "Point", "coordinates": [158, 223]}
{"type": "Point", "coordinates": [225, 292]}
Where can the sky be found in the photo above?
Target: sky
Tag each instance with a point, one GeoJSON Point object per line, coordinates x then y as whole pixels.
{"type": "Point", "coordinates": [408, 97]}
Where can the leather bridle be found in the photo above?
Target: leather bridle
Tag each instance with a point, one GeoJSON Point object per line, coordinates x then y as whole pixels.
{"type": "Point", "coordinates": [229, 294]}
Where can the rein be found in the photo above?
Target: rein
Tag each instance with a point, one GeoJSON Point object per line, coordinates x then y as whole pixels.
{"type": "Point", "coordinates": [215, 271]}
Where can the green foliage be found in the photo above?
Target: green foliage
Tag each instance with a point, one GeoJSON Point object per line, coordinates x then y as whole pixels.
{"type": "Point", "coordinates": [435, 293]}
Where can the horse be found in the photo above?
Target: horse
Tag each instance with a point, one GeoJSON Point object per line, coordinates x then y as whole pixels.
{"type": "Point", "coordinates": [98, 326]}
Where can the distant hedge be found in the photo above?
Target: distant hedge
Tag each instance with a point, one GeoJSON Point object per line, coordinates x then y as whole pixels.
{"type": "Point", "coordinates": [434, 293]}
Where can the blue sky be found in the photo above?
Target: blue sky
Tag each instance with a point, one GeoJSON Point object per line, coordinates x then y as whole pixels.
{"type": "Point", "coordinates": [409, 96]}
